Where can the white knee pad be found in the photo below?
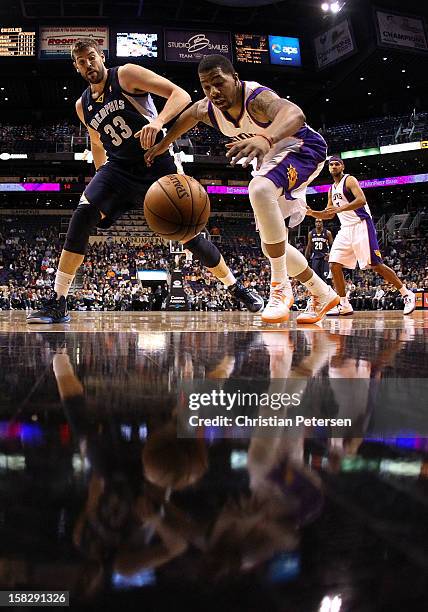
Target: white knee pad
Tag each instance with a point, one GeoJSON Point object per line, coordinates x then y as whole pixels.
{"type": "Point", "coordinates": [296, 262]}
{"type": "Point", "coordinates": [264, 200]}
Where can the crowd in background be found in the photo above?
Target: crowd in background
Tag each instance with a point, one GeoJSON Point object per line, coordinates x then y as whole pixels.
{"type": "Point", "coordinates": [107, 280]}
{"type": "Point", "coordinates": [369, 133]}
{"type": "Point", "coordinates": [20, 138]}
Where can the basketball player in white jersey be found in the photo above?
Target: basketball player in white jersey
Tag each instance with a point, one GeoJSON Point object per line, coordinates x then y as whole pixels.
{"type": "Point", "coordinates": [287, 155]}
{"type": "Point", "coordinates": [356, 240]}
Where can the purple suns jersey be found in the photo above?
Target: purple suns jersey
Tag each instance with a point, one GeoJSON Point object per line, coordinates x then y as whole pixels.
{"type": "Point", "coordinates": [340, 195]}
{"type": "Point", "coordinates": [246, 126]}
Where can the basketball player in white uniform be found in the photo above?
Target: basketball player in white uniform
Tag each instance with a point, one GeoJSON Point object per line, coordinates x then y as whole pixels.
{"type": "Point", "coordinates": [287, 154]}
{"type": "Point", "coordinates": [356, 240]}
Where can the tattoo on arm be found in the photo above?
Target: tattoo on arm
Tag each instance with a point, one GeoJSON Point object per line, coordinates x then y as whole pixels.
{"type": "Point", "coordinates": [266, 105]}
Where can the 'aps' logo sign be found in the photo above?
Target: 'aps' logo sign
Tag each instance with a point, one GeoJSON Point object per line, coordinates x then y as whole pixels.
{"type": "Point", "coordinates": [284, 50]}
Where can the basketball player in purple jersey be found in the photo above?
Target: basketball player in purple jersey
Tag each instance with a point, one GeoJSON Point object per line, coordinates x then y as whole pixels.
{"type": "Point", "coordinates": [356, 240]}
{"type": "Point", "coordinates": [118, 110]}
{"type": "Point", "coordinates": [287, 154]}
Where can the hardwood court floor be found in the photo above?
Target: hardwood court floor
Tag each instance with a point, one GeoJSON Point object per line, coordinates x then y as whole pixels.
{"type": "Point", "coordinates": [80, 402]}
{"type": "Point", "coordinates": [209, 322]}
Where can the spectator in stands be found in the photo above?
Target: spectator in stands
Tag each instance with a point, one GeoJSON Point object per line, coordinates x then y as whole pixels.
{"type": "Point", "coordinates": [378, 297]}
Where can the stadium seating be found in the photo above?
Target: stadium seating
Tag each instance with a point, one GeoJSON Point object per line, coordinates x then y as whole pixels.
{"type": "Point", "coordinates": [203, 140]}
{"type": "Point", "coordinates": [30, 249]}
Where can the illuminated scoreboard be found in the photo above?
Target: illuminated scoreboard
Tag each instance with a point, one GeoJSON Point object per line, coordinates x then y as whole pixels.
{"type": "Point", "coordinates": [252, 48]}
{"type": "Point", "coordinates": [16, 42]}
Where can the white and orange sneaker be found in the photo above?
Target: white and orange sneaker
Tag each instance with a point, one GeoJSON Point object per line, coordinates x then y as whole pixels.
{"type": "Point", "coordinates": [318, 306]}
{"type": "Point", "coordinates": [277, 310]}
{"type": "Point", "coordinates": [288, 290]}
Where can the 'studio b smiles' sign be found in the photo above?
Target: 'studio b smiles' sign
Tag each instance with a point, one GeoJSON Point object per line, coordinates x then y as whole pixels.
{"type": "Point", "coordinates": [192, 46]}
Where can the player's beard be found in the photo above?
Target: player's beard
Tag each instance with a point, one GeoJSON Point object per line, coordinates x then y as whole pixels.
{"type": "Point", "coordinates": [99, 76]}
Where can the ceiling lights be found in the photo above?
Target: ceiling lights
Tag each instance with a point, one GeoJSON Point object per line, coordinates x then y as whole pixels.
{"type": "Point", "coordinates": [332, 6]}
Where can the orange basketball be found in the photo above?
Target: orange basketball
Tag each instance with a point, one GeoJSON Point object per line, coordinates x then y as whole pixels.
{"type": "Point", "coordinates": [177, 207]}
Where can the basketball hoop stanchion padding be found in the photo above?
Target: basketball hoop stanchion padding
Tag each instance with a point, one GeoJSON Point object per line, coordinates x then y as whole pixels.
{"type": "Point", "coordinates": [177, 298]}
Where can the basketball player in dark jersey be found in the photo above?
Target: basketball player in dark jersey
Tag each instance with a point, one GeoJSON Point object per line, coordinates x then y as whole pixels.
{"type": "Point", "coordinates": [122, 120]}
{"type": "Point", "coordinates": [317, 249]}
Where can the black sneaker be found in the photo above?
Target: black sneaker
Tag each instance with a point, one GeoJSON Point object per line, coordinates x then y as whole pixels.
{"type": "Point", "coordinates": [250, 298]}
{"type": "Point", "coordinates": [53, 311]}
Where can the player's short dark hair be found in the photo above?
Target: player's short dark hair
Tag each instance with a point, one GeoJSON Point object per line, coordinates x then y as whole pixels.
{"type": "Point", "coordinates": [216, 61]}
{"type": "Point", "coordinates": [84, 43]}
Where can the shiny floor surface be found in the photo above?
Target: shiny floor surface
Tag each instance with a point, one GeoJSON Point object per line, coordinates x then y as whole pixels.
{"type": "Point", "coordinates": [98, 495]}
{"type": "Point", "coordinates": [207, 322]}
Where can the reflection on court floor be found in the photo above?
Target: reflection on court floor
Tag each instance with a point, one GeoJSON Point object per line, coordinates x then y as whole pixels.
{"type": "Point", "coordinates": [99, 497]}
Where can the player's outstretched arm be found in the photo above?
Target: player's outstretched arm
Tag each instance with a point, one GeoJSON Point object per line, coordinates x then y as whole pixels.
{"type": "Point", "coordinates": [285, 119]}
{"type": "Point", "coordinates": [97, 149]}
{"type": "Point", "coordinates": [136, 79]}
{"type": "Point", "coordinates": [186, 121]}
{"type": "Point", "coordinates": [327, 213]}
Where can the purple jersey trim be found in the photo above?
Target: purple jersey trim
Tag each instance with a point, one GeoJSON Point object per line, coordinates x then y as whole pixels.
{"type": "Point", "coordinates": [375, 257]}
{"type": "Point", "coordinates": [212, 116]}
{"type": "Point", "coordinates": [360, 212]}
{"type": "Point", "coordinates": [347, 192]}
{"type": "Point", "coordinates": [255, 93]}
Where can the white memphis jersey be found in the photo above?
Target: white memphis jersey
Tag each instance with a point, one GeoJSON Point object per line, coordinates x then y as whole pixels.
{"type": "Point", "coordinates": [246, 125]}
{"type": "Point", "coordinates": [340, 195]}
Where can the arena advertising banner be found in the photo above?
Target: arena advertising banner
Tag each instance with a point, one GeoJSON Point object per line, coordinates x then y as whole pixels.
{"type": "Point", "coordinates": [55, 41]}
{"type": "Point", "coordinates": [30, 187]}
{"type": "Point", "coordinates": [392, 181]}
{"type": "Point", "coordinates": [284, 50]}
{"type": "Point", "coordinates": [192, 46]}
{"type": "Point", "coordinates": [401, 31]}
{"type": "Point", "coordinates": [334, 45]}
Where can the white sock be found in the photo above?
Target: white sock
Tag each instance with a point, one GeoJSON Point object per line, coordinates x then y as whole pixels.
{"type": "Point", "coordinates": [404, 291]}
{"type": "Point", "coordinates": [278, 269]}
{"type": "Point", "coordinates": [344, 301]}
{"type": "Point", "coordinates": [228, 280]}
{"type": "Point", "coordinates": [316, 285]}
{"type": "Point", "coordinates": [63, 283]}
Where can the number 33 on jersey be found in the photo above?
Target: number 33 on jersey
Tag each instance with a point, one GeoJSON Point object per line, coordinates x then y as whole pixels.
{"type": "Point", "coordinates": [116, 115]}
